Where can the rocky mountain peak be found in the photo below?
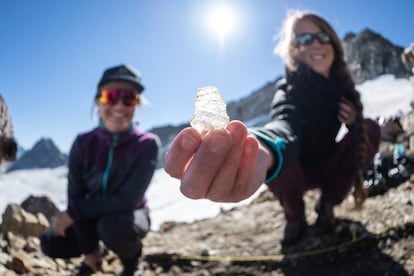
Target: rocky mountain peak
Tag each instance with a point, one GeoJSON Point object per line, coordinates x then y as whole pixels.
{"type": "Point", "coordinates": [369, 55]}
{"type": "Point", "coordinates": [44, 154]}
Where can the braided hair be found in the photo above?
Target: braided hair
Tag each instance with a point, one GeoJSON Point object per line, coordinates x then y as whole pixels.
{"type": "Point", "coordinates": [289, 52]}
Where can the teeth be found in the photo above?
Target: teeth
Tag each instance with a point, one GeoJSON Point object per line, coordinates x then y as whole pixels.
{"type": "Point", "coordinates": [317, 57]}
{"type": "Point", "coordinates": [117, 115]}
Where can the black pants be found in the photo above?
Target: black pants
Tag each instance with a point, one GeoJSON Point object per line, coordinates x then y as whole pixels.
{"type": "Point", "coordinates": [121, 233]}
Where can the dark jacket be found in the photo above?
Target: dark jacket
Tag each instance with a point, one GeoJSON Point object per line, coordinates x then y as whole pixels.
{"type": "Point", "coordinates": [110, 173]}
{"type": "Point", "coordinates": [304, 121]}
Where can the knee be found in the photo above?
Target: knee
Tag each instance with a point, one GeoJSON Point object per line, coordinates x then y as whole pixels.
{"type": "Point", "coordinates": [45, 244]}
{"type": "Point", "coordinates": [374, 132]}
{"type": "Point", "coordinates": [118, 235]}
{"type": "Point", "coordinates": [290, 181]}
{"type": "Point", "coordinates": [111, 228]}
{"type": "Point", "coordinates": [56, 246]}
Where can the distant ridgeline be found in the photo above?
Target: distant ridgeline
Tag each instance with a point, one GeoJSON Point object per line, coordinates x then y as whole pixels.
{"type": "Point", "coordinates": [368, 55]}
{"type": "Point", "coordinates": [44, 154]}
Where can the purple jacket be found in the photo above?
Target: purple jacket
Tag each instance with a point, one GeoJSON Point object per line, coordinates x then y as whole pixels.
{"type": "Point", "coordinates": [110, 173]}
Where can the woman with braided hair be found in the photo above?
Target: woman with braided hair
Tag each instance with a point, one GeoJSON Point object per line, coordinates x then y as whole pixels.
{"type": "Point", "coordinates": [323, 94]}
{"type": "Point", "coordinates": [297, 150]}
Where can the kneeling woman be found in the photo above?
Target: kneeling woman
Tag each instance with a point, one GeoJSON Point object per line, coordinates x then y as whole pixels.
{"type": "Point", "coordinates": [110, 169]}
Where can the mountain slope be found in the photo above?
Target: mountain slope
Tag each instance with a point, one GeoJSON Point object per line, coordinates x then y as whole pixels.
{"type": "Point", "coordinates": [44, 154]}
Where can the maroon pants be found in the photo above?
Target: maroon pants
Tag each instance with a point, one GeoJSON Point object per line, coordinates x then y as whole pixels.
{"type": "Point", "coordinates": [335, 177]}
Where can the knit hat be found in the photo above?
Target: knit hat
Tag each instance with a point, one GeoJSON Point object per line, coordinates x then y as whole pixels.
{"type": "Point", "coordinates": [122, 73]}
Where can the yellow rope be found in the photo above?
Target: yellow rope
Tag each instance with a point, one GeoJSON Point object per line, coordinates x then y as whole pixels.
{"type": "Point", "coordinates": [279, 257]}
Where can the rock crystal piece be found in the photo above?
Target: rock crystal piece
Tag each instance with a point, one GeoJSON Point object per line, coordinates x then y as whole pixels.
{"type": "Point", "coordinates": [210, 110]}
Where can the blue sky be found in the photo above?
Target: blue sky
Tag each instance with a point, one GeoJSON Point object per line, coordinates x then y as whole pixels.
{"type": "Point", "coordinates": [53, 52]}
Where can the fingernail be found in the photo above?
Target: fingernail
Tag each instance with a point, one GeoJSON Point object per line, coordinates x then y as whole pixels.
{"type": "Point", "coordinates": [236, 131]}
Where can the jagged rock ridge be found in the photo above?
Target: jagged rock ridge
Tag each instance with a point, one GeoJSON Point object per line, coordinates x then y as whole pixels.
{"type": "Point", "coordinates": [370, 55]}
{"type": "Point", "coordinates": [44, 154]}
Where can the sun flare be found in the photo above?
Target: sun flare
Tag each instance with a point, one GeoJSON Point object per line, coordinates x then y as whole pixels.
{"type": "Point", "coordinates": [221, 20]}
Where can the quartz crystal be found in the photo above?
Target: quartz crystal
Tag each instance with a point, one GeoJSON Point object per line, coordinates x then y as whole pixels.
{"type": "Point", "coordinates": [210, 110]}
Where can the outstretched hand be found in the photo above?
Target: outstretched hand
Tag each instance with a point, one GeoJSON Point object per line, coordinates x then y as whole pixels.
{"type": "Point", "coordinates": [226, 165]}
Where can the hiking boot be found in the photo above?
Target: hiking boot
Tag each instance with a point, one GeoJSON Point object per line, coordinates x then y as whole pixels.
{"type": "Point", "coordinates": [131, 267]}
{"type": "Point", "coordinates": [86, 270]}
{"type": "Point", "coordinates": [326, 218]}
{"type": "Point", "coordinates": [293, 232]}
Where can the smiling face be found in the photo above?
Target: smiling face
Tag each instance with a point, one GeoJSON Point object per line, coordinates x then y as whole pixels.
{"type": "Point", "coordinates": [116, 117]}
{"type": "Point", "coordinates": [319, 57]}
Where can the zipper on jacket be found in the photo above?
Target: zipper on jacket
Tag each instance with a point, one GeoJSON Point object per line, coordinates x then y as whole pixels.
{"type": "Point", "coordinates": [105, 175]}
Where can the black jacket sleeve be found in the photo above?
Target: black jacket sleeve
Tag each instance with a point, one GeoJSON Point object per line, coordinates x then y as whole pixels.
{"type": "Point", "coordinates": [282, 133]}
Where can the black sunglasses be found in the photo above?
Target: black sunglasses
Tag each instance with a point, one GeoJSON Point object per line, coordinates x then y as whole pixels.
{"type": "Point", "coordinates": [307, 39]}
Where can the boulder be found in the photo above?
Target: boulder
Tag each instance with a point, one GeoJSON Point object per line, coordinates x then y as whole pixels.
{"type": "Point", "coordinates": [40, 204]}
{"type": "Point", "coordinates": [20, 222]}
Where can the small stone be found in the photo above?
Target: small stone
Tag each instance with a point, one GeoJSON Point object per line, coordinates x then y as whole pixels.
{"type": "Point", "coordinates": [210, 110]}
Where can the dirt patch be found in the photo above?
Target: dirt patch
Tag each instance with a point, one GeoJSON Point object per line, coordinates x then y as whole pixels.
{"type": "Point", "coordinates": [246, 241]}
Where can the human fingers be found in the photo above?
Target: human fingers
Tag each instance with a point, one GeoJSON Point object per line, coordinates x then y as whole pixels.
{"type": "Point", "coordinates": [247, 180]}
{"type": "Point", "coordinates": [60, 230]}
{"type": "Point", "coordinates": [206, 162]}
{"type": "Point", "coordinates": [57, 225]}
{"type": "Point", "coordinates": [347, 112]}
{"type": "Point", "coordinates": [181, 151]}
{"type": "Point", "coordinates": [222, 183]}
{"type": "Point", "coordinates": [342, 115]}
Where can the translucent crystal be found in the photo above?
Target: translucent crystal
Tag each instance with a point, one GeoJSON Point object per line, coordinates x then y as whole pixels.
{"type": "Point", "coordinates": [210, 110]}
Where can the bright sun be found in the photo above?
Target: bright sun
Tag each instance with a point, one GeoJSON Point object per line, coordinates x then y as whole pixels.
{"type": "Point", "coordinates": [221, 20]}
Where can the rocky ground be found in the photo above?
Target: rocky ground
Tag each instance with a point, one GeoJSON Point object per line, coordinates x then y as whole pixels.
{"type": "Point", "coordinates": [377, 240]}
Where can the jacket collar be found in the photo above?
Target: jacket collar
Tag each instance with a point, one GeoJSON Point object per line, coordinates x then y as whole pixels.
{"type": "Point", "coordinates": [123, 136]}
